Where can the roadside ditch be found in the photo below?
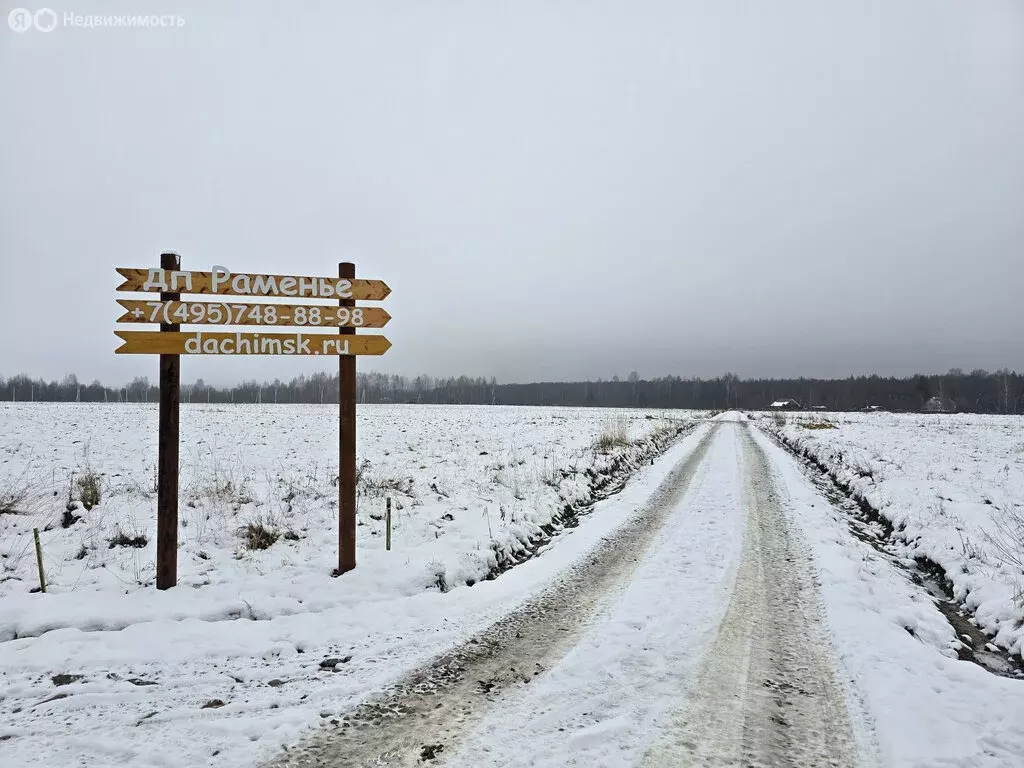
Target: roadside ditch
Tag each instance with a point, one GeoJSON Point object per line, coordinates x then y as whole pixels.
{"type": "Point", "coordinates": [601, 485]}
{"type": "Point", "coordinates": [867, 524]}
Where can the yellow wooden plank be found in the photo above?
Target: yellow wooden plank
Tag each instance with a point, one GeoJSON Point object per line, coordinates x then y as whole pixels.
{"type": "Point", "coordinates": [251, 313]}
{"type": "Point", "coordinates": [247, 343]}
{"type": "Point", "coordinates": [245, 284]}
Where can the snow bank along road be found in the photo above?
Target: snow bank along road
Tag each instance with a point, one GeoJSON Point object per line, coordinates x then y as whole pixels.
{"type": "Point", "coordinates": [713, 628]}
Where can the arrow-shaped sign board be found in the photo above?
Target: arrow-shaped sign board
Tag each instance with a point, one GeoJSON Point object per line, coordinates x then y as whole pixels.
{"type": "Point", "coordinates": [222, 282]}
{"type": "Point", "coordinates": [252, 313]}
{"type": "Point", "coordinates": [245, 343]}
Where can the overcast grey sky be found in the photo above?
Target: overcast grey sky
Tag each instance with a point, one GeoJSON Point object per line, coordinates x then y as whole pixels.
{"type": "Point", "coordinates": [551, 189]}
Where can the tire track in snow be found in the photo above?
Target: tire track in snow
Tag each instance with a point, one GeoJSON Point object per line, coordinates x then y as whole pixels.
{"type": "Point", "coordinates": [768, 694]}
{"type": "Point", "coordinates": [422, 716]}
{"type": "Point", "coordinates": [607, 700]}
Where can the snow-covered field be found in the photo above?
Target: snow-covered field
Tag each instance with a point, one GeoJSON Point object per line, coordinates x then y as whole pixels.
{"type": "Point", "coordinates": [471, 487]}
{"type": "Point", "coordinates": [951, 485]}
{"type": "Point", "coordinates": [258, 646]}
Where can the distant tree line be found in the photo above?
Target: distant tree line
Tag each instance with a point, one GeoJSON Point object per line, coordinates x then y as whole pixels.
{"type": "Point", "coordinates": [978, 391]}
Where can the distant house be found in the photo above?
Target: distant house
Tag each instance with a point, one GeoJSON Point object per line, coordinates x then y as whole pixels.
{"type": "Point", "coordinates": [819, 407]}
{"type": "Point", "coordinates": [785, 405]}
{"type": "Point", "coordinates": [939, 405]}
{"type": "Point", "coordinates": [871, 408]}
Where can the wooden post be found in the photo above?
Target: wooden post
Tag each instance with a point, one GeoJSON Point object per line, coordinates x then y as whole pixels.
{"type": "Point", "coordinates": [387, 523]}
{"type": "Point", "coordinates": [167, 460]}
{"type": "Point", "coordinates": [346, 442]}
{"type": "Point", "coordinates": [39, 560]}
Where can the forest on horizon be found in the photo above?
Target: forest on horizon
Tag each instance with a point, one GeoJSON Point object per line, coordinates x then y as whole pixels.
{"type": "Point", "coordinates": [977, 391]}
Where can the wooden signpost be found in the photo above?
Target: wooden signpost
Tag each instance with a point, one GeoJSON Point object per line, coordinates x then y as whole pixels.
{"type": "Point", "coordinates": [170, 342]}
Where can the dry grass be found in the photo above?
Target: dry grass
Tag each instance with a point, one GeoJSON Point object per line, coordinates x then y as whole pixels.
{"type": "Point", "coordinates": [614, 434]}
{"type": "Point", "coordinates": [371, 482]}
{"type": "Point", "coordinates": [1007, 538]}
{"type": "Point", "coordinates": [260, 533]}
{"type": "Point", "coordinates": [220, 481]}
{"type": "Point", "coordinates": [131, 539]}
{"type": "Point", "coordinates": [89, 489]}
{"type": "Point", "coordinates": [819, 425]}
{"type": "Point", "coordinates": [15, 493]}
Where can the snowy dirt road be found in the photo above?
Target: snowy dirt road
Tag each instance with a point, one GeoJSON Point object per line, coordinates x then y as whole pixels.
{"type": "Point", "coordinates": [767, 693]}
{"type": "Point", "coordinates": [693, 635]}
{"type": "Point", "coordinates": [423, 717]}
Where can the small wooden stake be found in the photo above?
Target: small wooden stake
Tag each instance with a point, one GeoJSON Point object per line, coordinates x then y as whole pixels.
{"type": "Point", "coordinates": [39, 560]}
{"type": "Point", "coordinates": [387, 523]}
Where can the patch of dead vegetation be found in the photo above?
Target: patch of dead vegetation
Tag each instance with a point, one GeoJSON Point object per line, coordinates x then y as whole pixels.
{"type": "Point", "coordinates": [128, 539]}
{"type": "Point", "coordinates": [260, 533]}
{"type": "Point", "coordinates": [614, 434]}
{"type": "Point", "coordinates": [89, 493]}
